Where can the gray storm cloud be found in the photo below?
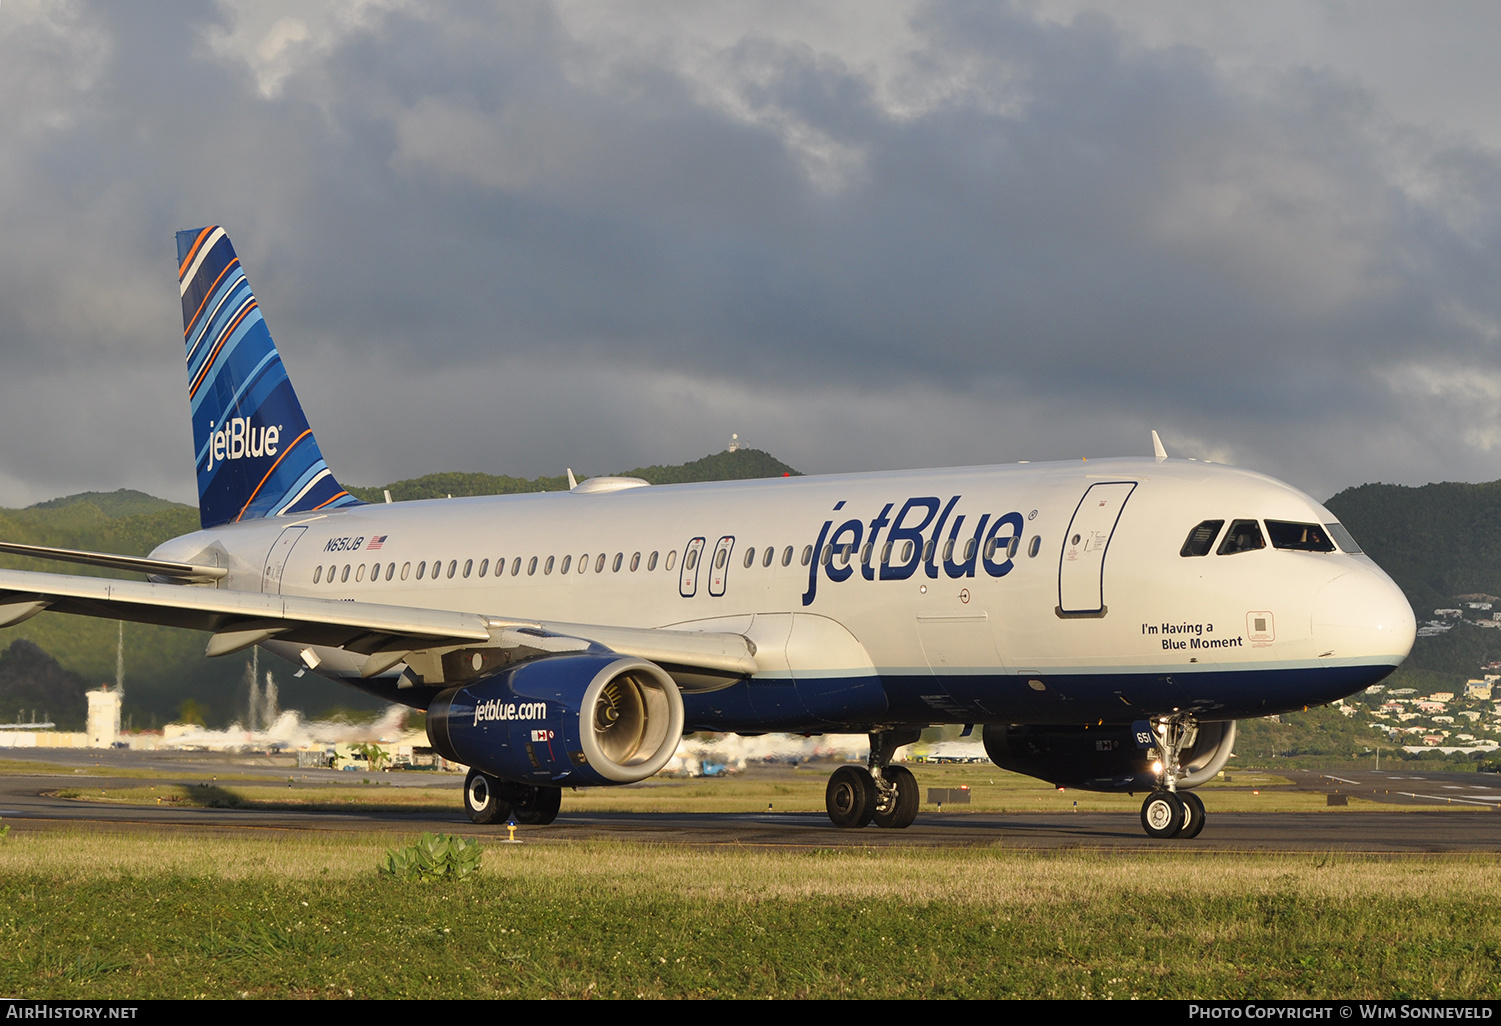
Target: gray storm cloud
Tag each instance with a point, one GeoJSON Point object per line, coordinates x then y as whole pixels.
{"type": "Point", "coordinates": [520, 237]}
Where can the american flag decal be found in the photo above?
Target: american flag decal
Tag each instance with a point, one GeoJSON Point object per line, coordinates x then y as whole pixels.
{"type": "Point", "coordinates": [376, 542]}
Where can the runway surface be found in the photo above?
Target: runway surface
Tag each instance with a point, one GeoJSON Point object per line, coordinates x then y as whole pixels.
{"type": "Point", "coordinates": [1470, 820]}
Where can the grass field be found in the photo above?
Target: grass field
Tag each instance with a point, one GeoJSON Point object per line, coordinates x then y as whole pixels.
{"type": "Point", "coordinates": [281, 914]}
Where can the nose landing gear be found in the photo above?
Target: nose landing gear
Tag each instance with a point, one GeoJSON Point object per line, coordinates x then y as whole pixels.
{"type": "Point", "coordinates": [1167, 812]}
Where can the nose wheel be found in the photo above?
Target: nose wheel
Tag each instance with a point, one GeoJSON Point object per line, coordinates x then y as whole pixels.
{"type": "Point", "coordinates": [1168, 812]}
{"type": "Point", "coordinates": [1162, 815]}
{"type": "Point", "coordinates": [1193, 815]}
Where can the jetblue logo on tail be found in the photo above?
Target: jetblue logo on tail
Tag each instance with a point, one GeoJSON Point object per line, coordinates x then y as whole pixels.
{"type": "Point", "coordinates": [239, 438]}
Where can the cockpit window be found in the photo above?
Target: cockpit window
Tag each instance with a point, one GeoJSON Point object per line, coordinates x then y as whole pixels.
{"type": "Point", "coordinates": [1243, 536]}
{"type": "Point", "coordinates": [1346, 543]}
{"type": "Point", "coordinates": [1201, 538]}
{"type": "Point", "coordinates": [1298, 537]}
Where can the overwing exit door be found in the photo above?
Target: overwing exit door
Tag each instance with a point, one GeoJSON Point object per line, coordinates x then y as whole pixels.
{"type": "Point", "coordinates": [276, 559]}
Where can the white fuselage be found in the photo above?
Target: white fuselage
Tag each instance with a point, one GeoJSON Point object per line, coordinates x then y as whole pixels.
{"type": "Point", "coordinates": [1089, 614]}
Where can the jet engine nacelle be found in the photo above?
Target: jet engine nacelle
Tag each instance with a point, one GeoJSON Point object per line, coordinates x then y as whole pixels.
{"type": "Point", "coordinates": [1103, 758]}
{"type": "Point", "coordinates": [568, 720]}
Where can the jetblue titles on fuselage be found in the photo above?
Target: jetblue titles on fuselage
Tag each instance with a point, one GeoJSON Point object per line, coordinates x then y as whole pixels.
{"type": "Point", "coordinates": [905, 547]}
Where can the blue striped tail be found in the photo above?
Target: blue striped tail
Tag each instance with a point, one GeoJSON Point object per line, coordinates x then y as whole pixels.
{"type": "Point", "coordinates": [256, 455]}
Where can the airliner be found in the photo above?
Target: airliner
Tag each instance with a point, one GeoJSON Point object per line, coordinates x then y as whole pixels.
{"type": "Point", "coordinates": [1104, 622]}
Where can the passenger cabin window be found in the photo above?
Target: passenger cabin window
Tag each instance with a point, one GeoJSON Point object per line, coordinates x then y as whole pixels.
{"type": "Point", "coordinates": [1243, 536]}
{"type": "Point", "coordinates": [1298, 537]}
{"type": "Point", "coordinates": [770, 554]}
{"type": "Point", "coordinates": [787, 556]}
{"type": "Point", "coordinates": [750, 557]}
{"type": "Point", "coordinates": [567, 562]}
{"type": "Point", "coordinates": [1201, 539]}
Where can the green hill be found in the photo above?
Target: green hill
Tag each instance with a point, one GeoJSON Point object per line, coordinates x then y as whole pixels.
{"type": "Point", "coordinates": [123, 502]}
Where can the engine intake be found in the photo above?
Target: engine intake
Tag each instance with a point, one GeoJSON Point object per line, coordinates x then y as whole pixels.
{"type": "Point", "coordinates": [570, 720]}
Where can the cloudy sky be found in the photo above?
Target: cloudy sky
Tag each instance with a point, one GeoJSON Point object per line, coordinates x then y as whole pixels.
{"type": "Point", "coordinates": [864, 235]}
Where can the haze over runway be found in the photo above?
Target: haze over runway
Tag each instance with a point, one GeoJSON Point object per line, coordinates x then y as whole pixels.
{"type": "Point", "coordinates": [520, 237]}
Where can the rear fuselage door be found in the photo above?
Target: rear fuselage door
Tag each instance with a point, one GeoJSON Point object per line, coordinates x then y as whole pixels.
{"type": "Point", "coordinates": [688, 582]}
{"type": "Point", "coordinates": [276, 559]}
{"type": "Point", "coordinates": [1081, 565]}
{"type": "Point", "coordinates": [719, 569]}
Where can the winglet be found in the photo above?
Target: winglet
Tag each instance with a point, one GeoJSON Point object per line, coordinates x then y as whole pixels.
{"type": "Point", "coordinates": [572, 481]}
{"type": "Point", "coordinates": [1157, 449]}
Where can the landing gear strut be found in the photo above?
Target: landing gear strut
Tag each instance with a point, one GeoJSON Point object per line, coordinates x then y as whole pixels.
{"type": "Point", "coordinates": [884, 793]}
{"type": "Point", "coordinates": [1167, 812]}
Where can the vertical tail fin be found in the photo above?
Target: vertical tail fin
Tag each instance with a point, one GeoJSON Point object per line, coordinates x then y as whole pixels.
{"type": "Point", "coordinates": [256, 455]}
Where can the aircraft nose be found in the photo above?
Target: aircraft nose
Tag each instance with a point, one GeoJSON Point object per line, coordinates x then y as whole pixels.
{"type": "Point", "coordinates": [1364, 613]}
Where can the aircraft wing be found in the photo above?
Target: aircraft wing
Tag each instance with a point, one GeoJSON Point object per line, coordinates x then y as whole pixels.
{"type": "Point", "coordinates": [385, 634]}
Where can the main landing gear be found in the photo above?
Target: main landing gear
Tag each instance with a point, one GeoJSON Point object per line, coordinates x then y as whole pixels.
{"type": "Point", "coordinates": [882, 793]}
{"type": "Point", "coordinates": [1168, 812]}
{"type": "Point", "coordinates": [489, 800]}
